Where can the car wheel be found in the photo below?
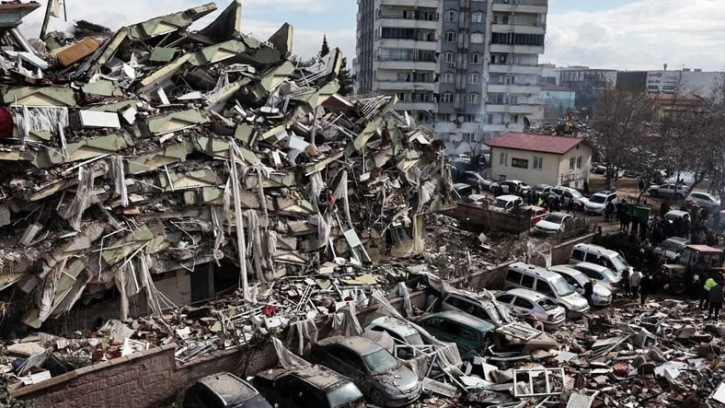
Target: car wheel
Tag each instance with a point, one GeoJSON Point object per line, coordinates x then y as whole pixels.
{"type": "Point", "coordinates": [377, 398]}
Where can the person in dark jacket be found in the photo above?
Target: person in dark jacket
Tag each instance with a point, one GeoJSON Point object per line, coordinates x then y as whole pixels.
{"type": "Point", "coordinates": [589, 290]}
{"type": "Point", "coordinates": [645, 288]}
{"type": "Point", "coordinates": [716, 297]}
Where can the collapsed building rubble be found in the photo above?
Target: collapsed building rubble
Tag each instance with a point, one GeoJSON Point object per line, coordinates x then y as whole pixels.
{"type": "Point", "coordinates": [156, 149]}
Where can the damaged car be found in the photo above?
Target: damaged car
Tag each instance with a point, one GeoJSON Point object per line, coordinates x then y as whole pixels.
{"type": "Point", "coordinates": [379, 375]}
{"type": "Point", "coordinates": [312, 386]}
{"type": "Point", "coordinates": [223, 390]}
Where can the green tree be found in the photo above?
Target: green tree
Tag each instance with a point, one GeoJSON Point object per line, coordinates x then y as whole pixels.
{"type": "Point", "coordinates": [325, 49]}
{"type": "Point", "coordinates": [346, 79]}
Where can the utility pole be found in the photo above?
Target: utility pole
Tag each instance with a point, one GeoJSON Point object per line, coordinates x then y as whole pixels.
{"type": "Point", "coordinates": [46, 20]}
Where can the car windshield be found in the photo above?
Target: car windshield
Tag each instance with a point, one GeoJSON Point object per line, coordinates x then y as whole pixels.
{"type": "Point", "coordinates": [500, 203]}
{"type": "Point", "coordinates": [344, 395]}
{"type": "Point", "coordinates": [620, 264]}
{"type": "Point", "coordinates": [597, 199]}
{"type": "Point", "coordinates": [561, 286]}
{"type": "Point", "coordinates": [547, 304]}
{"type": "Point", "coordinates": [673, 246]}
{"type": "Point", "coordinates": [414, 339]}
{"type": "Point", "coordinates": [554, 218]}
{"type": "Point", "coordinates": [380, 361]}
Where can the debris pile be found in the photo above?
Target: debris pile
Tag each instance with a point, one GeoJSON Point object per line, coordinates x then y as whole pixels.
{"type": "Point", "coordinates": [156, 149]}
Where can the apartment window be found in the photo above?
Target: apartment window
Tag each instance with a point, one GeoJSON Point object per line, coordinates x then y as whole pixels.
{"type": "Point", "coordinates": [477, 17]}
{"type": "Point", "coordinates": [469, 137]}
{"type": "Point", "coordinates": [469, 117]}
{"type": "Point", "coordinates": [451, 36]}
{"type": "Point", "coordinates": [447, 98]}
{"type": "Point", "coordinates": [579, 162]}
{"type": "Point", "coordinates": [572, 163]}
{"type": "Point", "coordinates": [503, 159]}
{"type": "Point", "coordinates": [475, 79]}
{"type": "Point", "coordinates": [450, 16]}
{"type": "Point", "coordinates": [448, 57]}
{"type": "Point", "coordinates": [477, 38]}
{"type": "Point", "coordinates": [538, 163]}
{"type": "Point", "coordinates": [489, 119]}
{"type": "Point", "coordinates": [473, 98]}
{"type": "Point", "coordinates": [476, 58]}
{"type": "Point", "coordinates": [448, 78]}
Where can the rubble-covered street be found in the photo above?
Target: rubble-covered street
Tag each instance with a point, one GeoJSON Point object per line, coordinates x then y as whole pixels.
{"type": "Point", "coordinates": [213, 193]}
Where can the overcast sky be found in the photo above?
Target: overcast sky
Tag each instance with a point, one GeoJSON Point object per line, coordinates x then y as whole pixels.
{"type": "Point", "coordinates": [621, 34]}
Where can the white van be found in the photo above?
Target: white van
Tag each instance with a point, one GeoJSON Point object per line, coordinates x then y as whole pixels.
{"type": "Point", "coordinates": [506, 203]}
{"type": "Point", "coordinates": [601, 256]}
{"type": "Point", "coordinates": [553, 285]}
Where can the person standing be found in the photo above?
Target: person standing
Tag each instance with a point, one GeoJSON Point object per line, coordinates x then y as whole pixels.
{"type": "Point", "coordinates": [645, 287]}
{"type": "Point", "coordinates": [705, 299]}
{"type": "Point", "coordinates": [635, 278]}
{"type": "Point", "coordinates": [716, 294]}
{"type": "Point", "coordinates": [589, 290]}
{"type": "Point", "coordinates": [608, 210]}
{"type": "Point", "coordinates": [625, 282]}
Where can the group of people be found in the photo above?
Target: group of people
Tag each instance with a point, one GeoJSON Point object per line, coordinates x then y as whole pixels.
{"type": "Point", "coordinates": [637, 285]}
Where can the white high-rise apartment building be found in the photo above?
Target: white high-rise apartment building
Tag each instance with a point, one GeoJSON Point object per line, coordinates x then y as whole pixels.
{"type": "Point", "coordinates": [467, 68]}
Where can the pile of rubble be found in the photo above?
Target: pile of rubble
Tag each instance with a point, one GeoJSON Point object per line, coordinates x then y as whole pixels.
{"type": "Point", "coordinates": [156, 149]}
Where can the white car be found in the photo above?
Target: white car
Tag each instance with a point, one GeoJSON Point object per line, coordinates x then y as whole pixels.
{"type": "Point", "coordinates": [597, 203]}
{"type": "Point", "coordinates": [668, 190]}
{"type": "Point", "coordinates": [601, 274]}
{"type": "Point", "coordinates": [601, 295]}
{"type": "Point", "coordinates": [553, 223]}
{"type": "Point", "coordinates": [528, 304]}
{"type": "Point", "coordinates": [703, 200]}
{"type": "Point", "coordinates": [506, 203]}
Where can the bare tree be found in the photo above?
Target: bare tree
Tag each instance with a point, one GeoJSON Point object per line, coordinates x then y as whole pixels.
{"type": "Point", "coordinates": [622, 121]}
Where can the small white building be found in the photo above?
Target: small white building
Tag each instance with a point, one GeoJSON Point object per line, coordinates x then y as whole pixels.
{"type": "Point", "coordinates": [540, 159]}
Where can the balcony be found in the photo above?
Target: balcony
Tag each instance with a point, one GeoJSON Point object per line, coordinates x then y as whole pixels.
{"type": "Point", "coordinates": [398, 86]}
{"type": "Point", "coordinates": [406, 65]}
{"type": "Point", "coordinates": [411, 3]}
{"type": "Point", "coordinates": [514, 69]}
{"type": "Point", "coordinates": [408, 44]}
{"type": "Point", "coordinates": [407, 23]}
{"type": "Point", "coordinates": [517, 49]}
{"type": "Point", "coordinates": [513, 109]}
{"type": "Point", "coordinates": [523, 6]}
{"type": "Point", "coordinates": [416, 106]}
{"type": "Point", "coordinates": [515, 89]}
{"type": "Point", "coordinates": [519, 28]}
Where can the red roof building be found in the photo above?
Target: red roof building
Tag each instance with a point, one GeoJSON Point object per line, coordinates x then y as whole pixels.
{"type": "Point", "coordinates": [541, 159]}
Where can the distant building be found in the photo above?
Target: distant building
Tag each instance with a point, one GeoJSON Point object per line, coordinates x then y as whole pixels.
{"type": "Point", "coordinates": [685, 81]}
{"type": "Point", "coordinates": [540, 159]}
{"type": "Point", "coordinates": [558, 100]}
{"type": "Point", "coordinates": [467, 68]}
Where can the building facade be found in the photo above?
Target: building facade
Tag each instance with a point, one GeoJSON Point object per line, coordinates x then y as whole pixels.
{"type": "Point", "coordinates": [541, 159]}
{"type": "Point", "coordinates": [466, 68]}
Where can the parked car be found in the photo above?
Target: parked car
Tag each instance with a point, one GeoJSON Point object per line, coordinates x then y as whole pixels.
{"type": "Point", "coordinates": [528, 304]}
{"type": "Point", "coordinates": [310, 386]}
{"type": "Point", "coordinates": [538, 279]}
{"type": "Point", "coordinates": [222, 390]}
{"type": "Point", "coordinates": [674, 215]}
{"type": "Point", "coordinates": [600, 273]}
{"type": "Point", "coordinates": [507, 203]}
{"type": "Point", "coordinates": [461, 191]}
{"type": "Point", "coordinates": [401, 331]}
{"type": "Point", "coordinates": [676, 191]}
{"type": "Point", "coordinates": [598, 168]}
{"type": "Point", "coordinates": [378, 374]}
{"type": "Point", "coordinates": [597, 203]}
{"type": "Point", "coordinates": [599, 255]}
{"type": "Point", "coordinates": [553, 223]}
{"type": "Point", "coordinates": [704, 200]}
{"type": "Point", "coordinates": [669, 249]}
{"type": "Point", "coordinates": [537, 213]}
{"type": "Point", "coordinates": [468, 332]}
{"type": "Point", "coordinates": [477, 199]}
{"type": "Point", "coordinates": [601, 295]}
{"type": "Point", "coordinates": [542, 190]}
{"type": "Point", "coordinates": [629, 173]}
{"type": "Point", "coordinates": [569, 194]}
{"type": "Point", "coordinates": [512, 187]}
{"type": "Point", "coordinates": [476, 180]}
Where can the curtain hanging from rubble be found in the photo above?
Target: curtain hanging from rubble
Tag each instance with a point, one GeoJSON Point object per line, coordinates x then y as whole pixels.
{"type": "Point", "coordinates": [82, 200]}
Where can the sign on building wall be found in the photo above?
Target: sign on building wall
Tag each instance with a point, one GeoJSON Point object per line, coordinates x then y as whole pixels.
{"type": "Point", "coordinates": [520, 163]}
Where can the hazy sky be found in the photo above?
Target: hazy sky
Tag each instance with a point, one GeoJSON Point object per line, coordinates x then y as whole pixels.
{"type": "Point", "coordinates": [621, 34]}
